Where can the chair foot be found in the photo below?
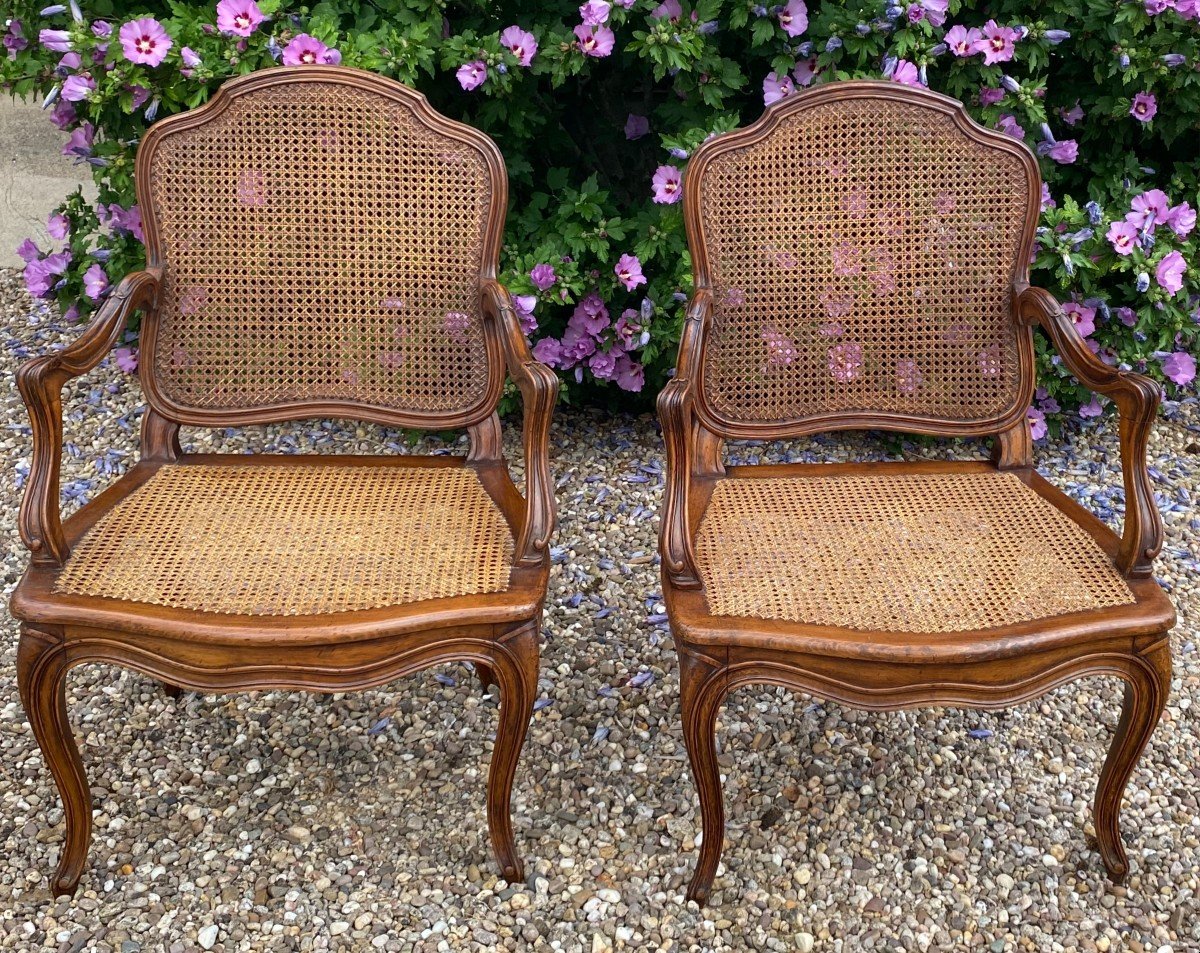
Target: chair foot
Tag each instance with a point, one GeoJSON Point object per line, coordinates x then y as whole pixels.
{"type": "Point", "coordinates": [515, 670]}
{"type": "Point", "coordinates": [1146, 688]}
{"type": "Point", "coordinates": [41, 671]}
{"type": "Point", "coordinates": [702, 692]}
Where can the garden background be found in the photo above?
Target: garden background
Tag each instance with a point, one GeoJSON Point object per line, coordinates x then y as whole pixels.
{"type": "Point", "coordinates": [598, 107]}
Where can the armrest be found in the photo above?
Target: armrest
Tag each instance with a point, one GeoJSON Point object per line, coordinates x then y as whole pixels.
{"type": "Point", "coordinates": [539, 392]}
{"type": "Point", "coordinates": [40, 382]}
{"type": "Point", "coordinates": [1137, 399]}
{"type": "Point", "coordinates": [675, 415]}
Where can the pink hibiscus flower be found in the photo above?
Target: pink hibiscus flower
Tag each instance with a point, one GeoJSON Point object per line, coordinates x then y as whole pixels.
{"type": "Point", "coordinates": [95, 282]}
{"type": "Point", "coordinates": [1169, 273]}
{"type": "Point", "coordinates": [1182, 219]}
{"type": "Point", "coordinates": [471, 75]}
{"type": "Point", "coordinates": [1083, 317]}
{"type": "Point", "coordinates": [594, 40]}
{"type": "Point", "coordinates": [998, 43]}
{"type": "Point", "coordinates": [239, 17]}
{"type": "Point", "coordinates": [963, 42]}
{"type": "Point", "coordinates": [806, 71]}
{"type": "Point", "coordinates": [776, 87]}
{"type": "Point", "coordinates": [1180, 367]}
{"type": "Point", "coordinates": [595, 12]}
{"type": "Point", "coordinates": [631, 376]}
{"type": "Point", "coordinates": [520, 43]}
{"type": "Point", "coordinates": [636, 126]}
{"type": "Point", "coordinates": [1037, 423]}
{"type": "Point", "coordinates": [144, 41]}
{"type": "Point", "coordinates": [1144, 107]}
{"type": "Point", "coordinates": [1064, 152]}
{"type": "Point", "coordinates": [549, 352]}
{"type": "Point", "coordinates": [668, 185]}
{"type": "Point", "coordinates": [126, 359]}
{"type": "Point", "coordinates": [629, 270]}
{"type": "Point", "coordinates": [78, 87]}
{"type": "Point", "coordinates": [845, 361]}
{"type": "Point", "coordinates": [667, 10]}
{"type": "Point", "coordinates": [1149, 210]}
{"type": "Point", "coordinates": [1123, 237]}
{"type": "Point", "coordinates": [305, 50]}
{"type": "Point", "coordinates": [542, 276]}
{"type": "Point", "coordinates": [524, 305]}
{"type": "Point", "coordinates": [793, 17]}
{"type": "Point", "coordinates": [906, 74]}
{"type": "Point", "coordinates": [1007, 124]}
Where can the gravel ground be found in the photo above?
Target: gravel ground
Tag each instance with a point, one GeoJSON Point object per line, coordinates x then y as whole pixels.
{"type": "Point", "coordinates": [284, 821]}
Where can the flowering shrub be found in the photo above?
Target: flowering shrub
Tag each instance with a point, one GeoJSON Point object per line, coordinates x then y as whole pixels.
{"type": "Point", "coordinates": [597, 108]}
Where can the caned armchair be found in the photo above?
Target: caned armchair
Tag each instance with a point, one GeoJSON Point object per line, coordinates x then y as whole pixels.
{"type": "Point", "coordinates": [320, 243]}
{"type": "Point", "coordinates": [861, 262]}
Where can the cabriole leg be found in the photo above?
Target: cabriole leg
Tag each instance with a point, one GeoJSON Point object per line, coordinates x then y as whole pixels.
{"type": "Point", "coordinates": [702, 690]}
{"type": "Point", "coordinates": [1146, 688]}
{"type": "Point", "coordinates": [41, 671]}
{"type": "Point", "coordinates": [515, 669]}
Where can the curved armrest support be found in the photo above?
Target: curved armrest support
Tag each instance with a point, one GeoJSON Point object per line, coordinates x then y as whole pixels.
{"type": "Point", "coordinates": [675, 415]}
{"type": "Point", "coordinates": [1137, 399]}
{"type": "Point", "coordinates": [539, 393]}
{"type": "Point", "coordinates": [40, 381]}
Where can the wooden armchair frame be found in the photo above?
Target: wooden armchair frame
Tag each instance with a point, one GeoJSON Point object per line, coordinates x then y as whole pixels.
{"type": "Point", "coordinates": [991, 668]}
{"type": "Point", "coordinates": [336, 651]}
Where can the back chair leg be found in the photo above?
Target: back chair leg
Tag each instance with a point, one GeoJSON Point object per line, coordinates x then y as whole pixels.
{"type": "Point", "coordinates": [487, 677]}
{"type": "Point", "coordinates": [171, 691]}
{"type": "Point", "coordinates": [1146, 688]}
{"type": "Point", "coordinates": [515, 669]}
{"type": "Point", "coordinates": [702, 691]}
{"type": "Point", "coordinates": [41, 679]}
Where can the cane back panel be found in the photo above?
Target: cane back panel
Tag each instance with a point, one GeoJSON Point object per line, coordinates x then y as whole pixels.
{"type": "Point", "coordinates": [862, 256]}
{"type": "Point", "coordinates": [322, 241]}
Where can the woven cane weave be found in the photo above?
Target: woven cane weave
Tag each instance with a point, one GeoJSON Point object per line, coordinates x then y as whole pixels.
{"type": "Point", "coordinates": [285, 541]}
{"type": "Point", "coordinates": [911, 553]}
{"type": "Point", "coordinates": [862, 257]}
{"type": "Point", "coordinates": [321, 243]}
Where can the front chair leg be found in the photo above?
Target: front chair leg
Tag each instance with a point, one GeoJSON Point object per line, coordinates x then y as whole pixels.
{"type": "Point", "coordinates": [702, 690]}
{"type": "Point", "coordinates": [1146, 688]}
{"type": "Point", "coordinates": [515, 669]}
{"type": "Point", "coordinates": [41, 671]}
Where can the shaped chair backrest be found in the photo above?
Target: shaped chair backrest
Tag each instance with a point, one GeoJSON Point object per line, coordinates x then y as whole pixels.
{"type": "Point", "coordinates": [323, 235]}
{"type": "Point", "coordinates": [864, 243]}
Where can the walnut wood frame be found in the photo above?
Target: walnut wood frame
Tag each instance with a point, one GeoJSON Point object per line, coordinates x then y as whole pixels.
{"type": "Point", "coordinates": [886, 671]}
{"type": "Point", "coordinates": [498, 632]}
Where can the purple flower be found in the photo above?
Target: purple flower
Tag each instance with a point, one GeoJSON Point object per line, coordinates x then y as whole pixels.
{"type": "Point", "coordinates": [1127, 316]}
{"type": "Point", "coordinates": [76, 88]}
{"type": "Point", "coordinates": [781, 350]}
{"type": "Point", "coordinates": [906, 73]}
{"type": "Point", "coordinates": [1149, 209]}
{"type": "Point", "coordinates": [27, 251]}
{"type": "Point", "coordinates": [542, 276]}
{"type": "Point", "coordinates": [845, 361]}
{"type": "Point", "coordinates": [79, 145]}
{"type": "Point", "coordinates": [95, 282]}
{"type": "Point", "coordinates": [520, 43]}
{"type": "Point", "coordinates": [629, 271]}
{"type": "Point", "coordinates": [1008, 125]}
{"type": "Point", "coordinates": [14, 39]}
{"type": "Point", "coordinates": [1182, 219]}
{"type": "Point", "coordinates": [1092, 408]}
{"type": "Point", "coordinates": [668, 185]}
{"type": "Point", "coordinates": [631, 375]}
{"type": "Point", "coordinates": [603, 365]}
{"type": "Point", "coordinates": [668, 10]}
{"type": "Point", "coordinates": [963, 42]}
{"type": "Point", "coordinates": [524, 305]}
{"type": "Point", "coordinates": [636, 126]}
{"type": "Point", "coordinates": [909, 376]}
{"type": "Point", "coordinates": [1123, 237]}
{"type": "Point", "coordinates": [57, 41]}
{"type": "Point", "coordinates": [595, 12]}
{"type": "Point", "coordinates": [935, 11]}
{"type": "Point", "coordinates": [240, 17]}
{"type": "Point", "coordinates": [1064, 152]}
{"type": "Point", "coordinates": [57, 227]}
{"type": "Point", "coordinates": [471, 75]}
{"type": "Point", "coordinates": [793, 17]}
{"type": "Point", "coordinates": [1073, 115]}
{"type": "Point", "coordinates": [189, 56]}
{"type": "Point", "coordinates": [101, 29]}
{"type": "Point", "coordinates": [997, 43]}
{"type": "Point", "coordinates": [990, 95]}
{"type": "Point", "coordinates": [1170, 271]}
{"type": "Point", "coordinates": [629, 330]}
{"type": "Point", "coordinates": [1144, 107]}
{"type": "Point", "coordinates": [806, 71]}
{"type": "Point", "coordinates": [63, 115]}
{"type": "Point", "coordinates": [144, 41]}
{"type": "Point", "coordinates": [126, 359]}
{"type": "Point", "coordinates": [1083, 317]}
{"type": "Point", "coordinates": [1037, 423]}
{"type": "Point", "coordinates": [549, 352]}
{"type": "Point", "coordinates": [590, 316]}
{"type": "Point", "coordinates": [1155, 7]}
{"type": "Point", "coordinates": [40, 274]}
{"type": "Point", "coordinates": [776, 87]}
{"type": "Point", "coordinates": [1054, 37]}
{"type": "Point", "coordinates": [305, 50]}
{"type": "Point", "coordinates": [1180, 367]}
{"type": "Point", "coordinates": [594, 40]}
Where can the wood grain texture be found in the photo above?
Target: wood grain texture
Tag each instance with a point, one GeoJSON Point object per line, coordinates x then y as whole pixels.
{"type": "Point", "coordinates": [990, 668]}
{"type": "Point", "coordinates": [324, 651]}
